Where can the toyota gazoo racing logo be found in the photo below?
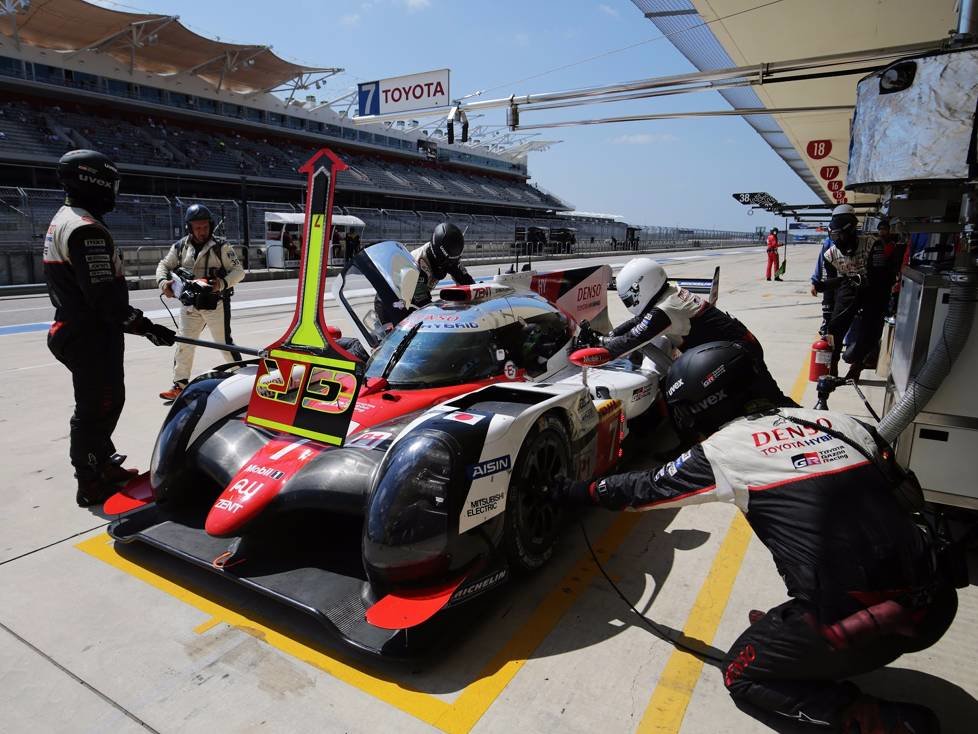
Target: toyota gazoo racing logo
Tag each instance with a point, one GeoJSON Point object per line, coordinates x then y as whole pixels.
{"type": "Point", "coordinates": [713, 375]}
{"type": "Point", "coordinates": [799, 461]}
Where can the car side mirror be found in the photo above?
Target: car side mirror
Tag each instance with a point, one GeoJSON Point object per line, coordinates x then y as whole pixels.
{"type": "Point", "coordinates": [590, 357]}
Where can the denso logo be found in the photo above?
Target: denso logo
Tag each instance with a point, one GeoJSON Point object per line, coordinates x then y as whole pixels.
{"type": "Point", "coordinates": [492, 466]}
{"type": "Point", "coordinates": [762, 438]}
{"type": "Point", "coordinates": [587, 292]}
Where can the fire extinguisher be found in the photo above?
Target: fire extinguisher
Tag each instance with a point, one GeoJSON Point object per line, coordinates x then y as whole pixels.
{"type": "Point", "coordinates": [821, 361]}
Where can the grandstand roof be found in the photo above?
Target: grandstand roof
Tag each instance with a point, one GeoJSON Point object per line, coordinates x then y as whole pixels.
{"type": "Point", "coordinates": [156, 44]}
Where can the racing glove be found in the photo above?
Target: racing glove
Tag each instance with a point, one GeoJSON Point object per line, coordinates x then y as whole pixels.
{"type": "Point", "coordinates": [588, 337]}
{"type": "Point", "coordinates": [567, 492]}
{"type": "Point", "coordinates": [158, 334]}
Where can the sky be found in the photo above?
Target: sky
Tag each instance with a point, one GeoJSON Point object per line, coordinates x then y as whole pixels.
{"type": "Point", "coordinates": [667, 173]}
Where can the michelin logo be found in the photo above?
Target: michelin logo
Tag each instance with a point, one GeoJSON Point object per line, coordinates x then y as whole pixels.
{"type": "Point", "coordinates": [491, 466]}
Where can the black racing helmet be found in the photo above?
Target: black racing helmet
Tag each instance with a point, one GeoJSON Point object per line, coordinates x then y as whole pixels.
{"type": "Point", "coordinates": [843, 231]}
{"type": "Point", "coordinates": [710, 385]}
{"type": "Point", "coordinates": [198, 213]}
{"type": "Point", "coordinates": [447, 242]}
{"type": "Point", "coordinates": [89, 179]}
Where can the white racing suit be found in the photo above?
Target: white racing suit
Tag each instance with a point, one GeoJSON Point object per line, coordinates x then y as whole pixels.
{"type": "Point", "coordinates": [217, 261]}
{"type": "Point", "coordinates": [689, 321]}
{"type": "Point", "coordinates": [860, 573]}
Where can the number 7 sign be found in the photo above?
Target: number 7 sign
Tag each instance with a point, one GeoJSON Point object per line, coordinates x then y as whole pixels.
{"type": "Point", "coordinates": [307, 385]}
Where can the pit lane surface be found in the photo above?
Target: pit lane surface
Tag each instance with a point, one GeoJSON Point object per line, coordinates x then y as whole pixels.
{"type": "Point", "coordinates": [93, 639]}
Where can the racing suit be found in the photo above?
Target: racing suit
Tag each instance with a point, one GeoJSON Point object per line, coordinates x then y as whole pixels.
{"type": "Point", "coordinates": [432, 272]}
{"type": "Point", "coordinates": [818, 275]}
{"type": "Point", "coordinates": [859, 571]}
{"type": "Point", "coordinates": [217, 262]}
{"type": "Point", "coordinates": [88, 289]}
{"type": "Point", "coordinates": [861, 281]}
{"type": "Point", "coordinates": [772, 256]}
{"type": "Point", "coordinates": [689, 321]}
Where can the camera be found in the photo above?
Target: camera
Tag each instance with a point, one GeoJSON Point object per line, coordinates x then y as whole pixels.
{"type": "Point", "coordinates": [192, 293]}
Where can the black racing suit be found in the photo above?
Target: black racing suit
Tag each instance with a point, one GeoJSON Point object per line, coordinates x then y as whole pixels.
{"type": "Point", "coordinates": [432, 271]}
{"type": "Point", "coordinates": [689, 321]}
{"type": "Point", "coordinates": [88, 289]}
{"type": "Point", "coordinates": [862, 282]}
{"type": "Point", "coordinates": [859, 571]}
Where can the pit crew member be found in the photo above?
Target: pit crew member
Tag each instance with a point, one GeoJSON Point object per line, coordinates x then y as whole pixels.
{"type": "Point", "coordinates": [818, 491]}
{"type": "Point", "coordinates": [440, 257]}
{"type": "Point", "coordinates": [88, 289]}
{"type": "Point", "coordinates": [772, 254]}
{"type": "Point", "coordinates": [660, 307]}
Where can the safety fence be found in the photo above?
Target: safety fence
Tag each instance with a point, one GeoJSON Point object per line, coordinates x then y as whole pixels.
{"type": "Point", "coordinates": [145, 226]}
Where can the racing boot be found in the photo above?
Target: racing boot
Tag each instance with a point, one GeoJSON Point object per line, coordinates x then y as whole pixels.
{"type": "Point", "coordinates": [93, 491]}
{"type": "Point", "coordinates": [113, 472]}
{"type": "Point", "coordinates": [174, 392]}
{"type": "Point", "coordinates": [871, 715]}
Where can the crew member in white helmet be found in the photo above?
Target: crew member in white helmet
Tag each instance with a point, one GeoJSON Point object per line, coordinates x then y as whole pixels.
{"type": "Point", "coordinates": [661, 307]}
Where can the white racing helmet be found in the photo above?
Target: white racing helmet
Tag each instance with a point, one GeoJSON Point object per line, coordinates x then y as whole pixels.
{"type": "Point", "coordinates": [639, 282]}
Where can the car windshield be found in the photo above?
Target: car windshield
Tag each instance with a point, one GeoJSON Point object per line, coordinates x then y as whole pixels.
{"type": "Point", "coordinates": [436, 358]}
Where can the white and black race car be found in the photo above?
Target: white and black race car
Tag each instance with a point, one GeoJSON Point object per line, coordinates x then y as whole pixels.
{"type": "Point", "coordinates": [469, 411]}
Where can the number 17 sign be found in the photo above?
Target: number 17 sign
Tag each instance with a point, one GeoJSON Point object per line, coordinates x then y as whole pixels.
{"type": "Point", "coordinates": [307, 385]}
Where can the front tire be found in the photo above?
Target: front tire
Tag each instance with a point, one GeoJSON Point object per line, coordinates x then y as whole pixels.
{"type": "Point", "coordinates": [532, 523]}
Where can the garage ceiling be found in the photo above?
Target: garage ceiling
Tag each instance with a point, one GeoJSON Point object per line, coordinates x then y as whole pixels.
{"type": "Point", "coordinates": [750, 32]}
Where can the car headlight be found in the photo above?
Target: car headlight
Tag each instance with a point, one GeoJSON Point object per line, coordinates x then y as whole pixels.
{"type": "Point", "coordinates": [407, 521]}
{"type": "Point", "coordinates": [170, 450]}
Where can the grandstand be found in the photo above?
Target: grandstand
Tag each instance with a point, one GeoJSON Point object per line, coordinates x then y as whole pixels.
{"type": "Point", "coordinates": [189, 118]}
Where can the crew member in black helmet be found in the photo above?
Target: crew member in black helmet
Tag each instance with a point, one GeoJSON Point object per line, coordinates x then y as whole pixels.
{"type": "Point", "coordinates": [438, 258]}
{"type": "Point", "coordinates": [820, 490]}
{"type": "Point", "coordinates": [88, 289]}
{"type": "Point", "coordinates": [214, 264]}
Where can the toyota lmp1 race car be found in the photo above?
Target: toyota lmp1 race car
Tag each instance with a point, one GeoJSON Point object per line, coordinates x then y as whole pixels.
{"type": "Point", "coordinates": [470, 409]}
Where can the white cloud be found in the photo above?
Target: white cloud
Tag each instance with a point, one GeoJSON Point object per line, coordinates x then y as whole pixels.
{"type": "Point", "coordinates": [415, 5]}
{"type": "Point", "coordinates": [644, 139]}
{"type": "Point", "coordinates": [350, 20]}
{"type": "Point", "coordinates": [613, 12]}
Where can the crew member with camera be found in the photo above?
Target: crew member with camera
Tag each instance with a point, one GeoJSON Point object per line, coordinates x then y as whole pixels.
{"type": "Point", "coordinates": [201, 270]}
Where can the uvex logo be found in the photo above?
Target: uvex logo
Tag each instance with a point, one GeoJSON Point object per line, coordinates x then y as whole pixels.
{"type": "Point", "coordinates": [708, 402]}
{"type": "Point", "coordinates": [95, 180]}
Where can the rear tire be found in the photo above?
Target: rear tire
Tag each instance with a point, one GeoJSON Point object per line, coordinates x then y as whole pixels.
{"type": "Point", "coordinates": [532, 523]}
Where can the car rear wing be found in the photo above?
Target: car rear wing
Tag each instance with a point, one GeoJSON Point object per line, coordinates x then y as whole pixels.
{"type": "Point", "coordinates": [705, 286]}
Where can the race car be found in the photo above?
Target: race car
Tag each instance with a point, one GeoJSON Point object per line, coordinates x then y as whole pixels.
{"type": "Point", "coordinates": [469, 412]}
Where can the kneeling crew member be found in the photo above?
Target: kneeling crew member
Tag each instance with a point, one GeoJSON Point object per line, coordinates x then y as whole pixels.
{"type": "Point", "coordinates": [860, 572]}
{"type": "Point", "coordinates": [211, 259]}
{"type": "Point", "coordinates": [91, 300]}
{"type": "Point", "coordinates": [659, 307]}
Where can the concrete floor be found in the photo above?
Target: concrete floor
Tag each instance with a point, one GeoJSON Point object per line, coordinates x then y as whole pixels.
{"type": "Point", "coordinates": [95, 638]}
